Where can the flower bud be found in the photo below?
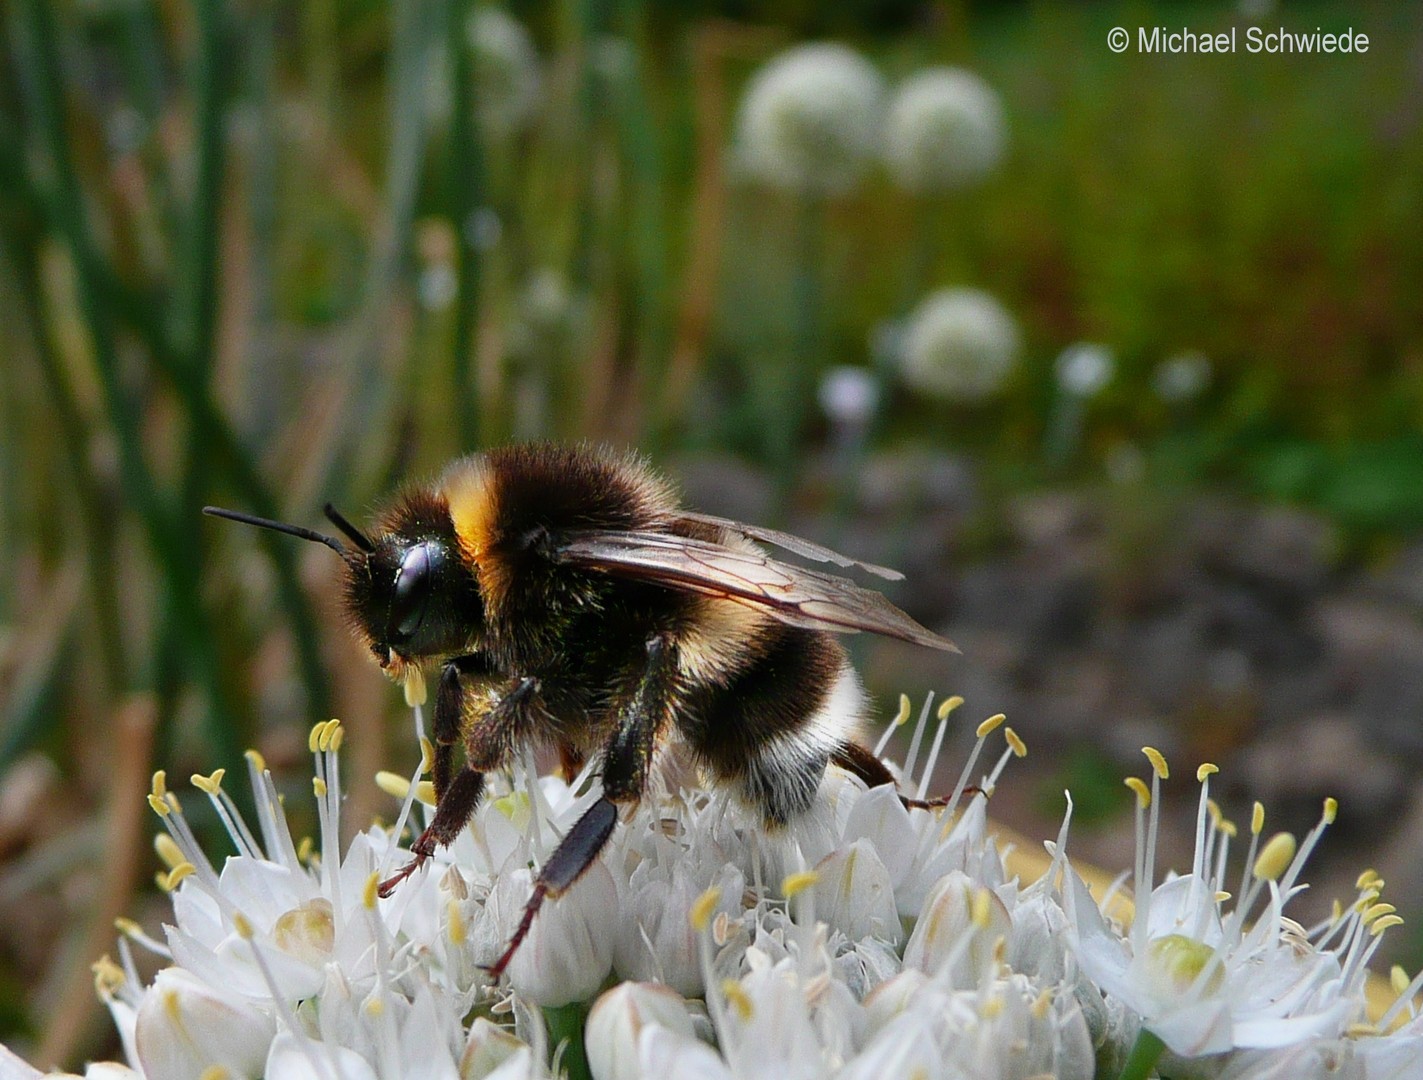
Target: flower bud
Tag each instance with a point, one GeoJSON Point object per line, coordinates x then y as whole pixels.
{"type": "Point", "coordinates": [489, 1047]}
{"type": "Point", "coordinates": [960, 927]}
{"type": "Point", "coordinates": [618, 1019]}
{"type": "Point", "coordinates": [854, 894]}
{"type": "Point", "coordinates": [568, 951]}
{"type": "Point", "coordinates": [945, 130]}
{"type": "Point", "coordinates": [186, 1026]}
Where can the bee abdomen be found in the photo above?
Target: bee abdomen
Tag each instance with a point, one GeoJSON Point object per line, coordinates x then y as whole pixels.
{"type": "Point", "coordinates": [770, 728]}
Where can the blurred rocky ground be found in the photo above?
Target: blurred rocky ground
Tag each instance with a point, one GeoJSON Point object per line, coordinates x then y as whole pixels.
{"type": "Point", "coordinates": [1101, 620]}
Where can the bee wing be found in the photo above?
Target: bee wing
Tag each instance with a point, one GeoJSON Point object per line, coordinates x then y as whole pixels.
{"type": "Point", "coordinates": [797, 545]}
{"type": "Point", "coordinates": [791, 594]}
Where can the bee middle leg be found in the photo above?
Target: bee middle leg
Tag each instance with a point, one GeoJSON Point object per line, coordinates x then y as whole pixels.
{"type": "Point", "coordinates": [627, 763]}
{"type": "Point", "coordinates": [859, 761]}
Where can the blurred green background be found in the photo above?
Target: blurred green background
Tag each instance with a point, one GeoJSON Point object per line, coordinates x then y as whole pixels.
{"type": "Point", "coordinates": [272, 255]}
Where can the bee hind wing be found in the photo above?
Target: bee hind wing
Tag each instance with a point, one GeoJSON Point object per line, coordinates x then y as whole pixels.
{"type": "Point", "coordinates": [791, 594]}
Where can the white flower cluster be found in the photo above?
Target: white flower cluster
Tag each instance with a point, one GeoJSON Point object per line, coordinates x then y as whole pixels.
{"type": "Point", "coordinates": [814, 119]}
{"type": "Point", "coordinates": [959, 344]}
{"type": "Point", "coordinates": [870, 940]}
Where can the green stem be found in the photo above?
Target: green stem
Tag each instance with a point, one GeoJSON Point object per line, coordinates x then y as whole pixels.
{"type": "Point", "coordinates": [1145, 1053]}
{"type": "Point", "coordinates": [565, 1028]}
{"type": "Point", "coordinates": [64, 204]}
{"type": "Point", "coordinates": [465, 181]}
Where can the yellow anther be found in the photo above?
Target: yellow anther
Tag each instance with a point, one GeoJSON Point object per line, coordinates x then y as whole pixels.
{"type": "Point", "coordinates": [1041, 1004]}
{"type": "Point", "coordinates": [375, 1006]}
{"type": "Point", "coordinates": [1365, 879]}
{"type": "Point", "coordinates": [1398, 978]}
{"type": "Point", "coordinates": [1331, 810]}
{"type": "Point", "coordinates": [1143, 793]}
{"type": "Point", "coordinates": [127, 927]}
{"type": "Point", "coordinates": [704, 907]}
{"type": "Point", "coordinates": [990, 725]}
{"type": "Point", "coordinates": [108, 976]}
{"type": "Point", "coordinates": [1257, 819]}
{"type": "Point", "coordinates": [981, 908]}
{"type": "Point", "coordinates": [1206, 769]}
{"type": "Point", "coordinates": [243, 926]}
{"type": "Point", "coordinates": [427, 755]}
{"type": "Point", "coordinates": [949, 705]}
{"type": "Point", "coordinates": [1361, 1031]}
{"type": "Point", "coordinates": [338, 736]}
{"type": "Point", "coordinates": [992, 1007]}
{"type": "Point", "coordinates": [1213, 808]}
{"type": "Point", "coordinates": [902, 716]}
{"type": "Point", "coordinates": [456, 923]}
{"type": "Point", "coordinates": [318, 785]}
{"type": "Point", "coordinates": [1275, 857]}
{"type": "Point", "coordinates": [211, 784]}
{"type": "Point", "coordinates": [1336, 911]}
{"type": "Point", "coordinates": [1387, 922]}
{"type": "Point", "coordinates": [798, 882]}
{"type": "Point", "coordinates": [168, 849]}
{"type": "Point", "coordinates": [255, 757]}
{"type": "Point", "coordinates": [1367, 897]}
{"type": "Point", "coordinates": [313, 738]}
{"type": "Point", "coordinates": [179, 873]}
{"type": "Point", "coordinates": [1158, 762]}
{"type": "Point", "coordinates": [393, 784]}
{"type": "Point", "coordinates": [160, 783]}
{"type": "Point", "coordinates": [415, 692]}
{"type": "Point", "coordinates": [1227, 828]}
{"type": "Point", "coordinates": [1020, 748]}
{"type": "Point", "coordinates": [1378, 911]}
{"type": "Point", "coordinates": [425, 792]}
{"type": "Point", "coordinates": [737, 998]}
{"type": "Point", "coordinates": [371, 892]}
{"type": "Point", "coordinates": [1221, 896]}
{"type": "Point", "coordinates": [305, 848]}
{"type": "Point", "coordinates": [159, 806]}
{"type": "Point", "coordinates": [215, 1072]}
{"type": "Point", "coordinates": [324, 732]}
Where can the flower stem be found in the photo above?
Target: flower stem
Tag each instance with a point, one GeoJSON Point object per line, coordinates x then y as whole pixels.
{"type": "Point", "coordinates": [1145, 1053]}
{"type": "Point", "coordinates": [565, 1026]}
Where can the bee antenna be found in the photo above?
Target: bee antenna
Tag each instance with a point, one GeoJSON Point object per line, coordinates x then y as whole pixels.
{"type": "Point", "coordinates": [279, 526]}
{"type": "Point", "coordinates": [360, 539]}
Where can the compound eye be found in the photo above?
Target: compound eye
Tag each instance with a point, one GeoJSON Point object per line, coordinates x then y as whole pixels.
{"type": "Point", "coordinates": [413, 586]}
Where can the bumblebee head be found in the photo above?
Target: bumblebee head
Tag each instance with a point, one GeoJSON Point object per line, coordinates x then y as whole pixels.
{"type": "Point", "coordinates": [409, 591]}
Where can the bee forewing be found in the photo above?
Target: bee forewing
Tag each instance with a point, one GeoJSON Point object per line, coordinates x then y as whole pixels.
{"type": "Point", "coordinates": [791, 594]}
{"type": "Point", "coordinates": [797, 545]}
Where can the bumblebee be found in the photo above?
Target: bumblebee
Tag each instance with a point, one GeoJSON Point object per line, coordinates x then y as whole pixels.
{"type": "Point", "coordinates": [559, 596]}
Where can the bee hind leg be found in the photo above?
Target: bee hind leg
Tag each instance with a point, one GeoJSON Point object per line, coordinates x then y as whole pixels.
{"type": "Point", "coordinates": [627, 761]}
{"type": "Point", "coordinates": [860, 761]}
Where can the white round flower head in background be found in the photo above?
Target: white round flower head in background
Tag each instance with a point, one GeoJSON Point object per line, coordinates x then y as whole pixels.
{"type": "Point", "coordinates": [945, 130]}
{"type": "Point", "coordinates": [810, 120]}
{"type": "Point", "coordinates": [506, 71]}
{"type": "Point", "coordinates": [959, 344]}
{"type": "Point", "coordinates": [1084, 368]}
{"type": "Point", "coordinates": [1182, 377]}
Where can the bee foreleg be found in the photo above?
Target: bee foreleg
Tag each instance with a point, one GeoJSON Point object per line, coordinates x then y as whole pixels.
{"type": "Point", "coordinates": [627, 762]}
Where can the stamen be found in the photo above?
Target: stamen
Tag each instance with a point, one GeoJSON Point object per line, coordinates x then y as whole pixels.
{"type": "Point", "coordinates": [913, 756]}
{"type": "Point", "coordinates": [898, 721]}
{"type": "Point", "coordinates": [704, 907]}
{"type": "Point", "coordinates": [1158, 762]}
